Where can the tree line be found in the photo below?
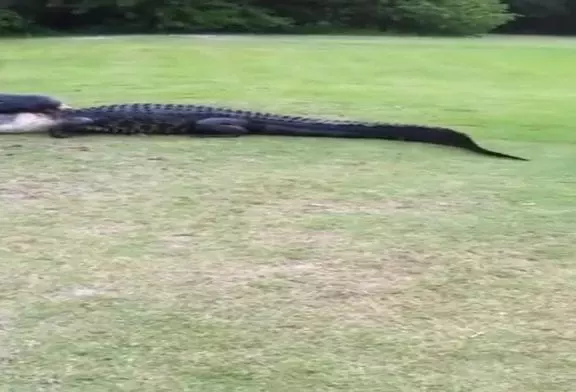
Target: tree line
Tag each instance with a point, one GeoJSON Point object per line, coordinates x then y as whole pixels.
{"type": "Point", "coordinates": [432, 17]}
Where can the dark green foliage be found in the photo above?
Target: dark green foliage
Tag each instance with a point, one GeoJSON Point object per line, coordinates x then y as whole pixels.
{"type": "Point", "coordinates": [11, 22]}
{"type": "Point", "coordinates": [539, 8]}
{"type": "Point", "coordinates": [151, 16]}
{"type": "Point", "coordinates": [454, 17]}
{"type": "Point", "coordinates": [184, 16]}
{"type": "Point", "coordinates": [543, 16]}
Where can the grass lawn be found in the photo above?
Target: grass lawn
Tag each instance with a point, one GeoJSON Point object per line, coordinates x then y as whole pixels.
{"type": "Point", "coordinates": [293, 264]}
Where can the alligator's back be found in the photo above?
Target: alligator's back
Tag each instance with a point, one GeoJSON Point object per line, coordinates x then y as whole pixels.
{"type": "Point", "coordinates": [197, 112]}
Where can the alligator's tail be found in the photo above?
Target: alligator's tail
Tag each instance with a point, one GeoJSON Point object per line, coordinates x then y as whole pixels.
{"type": "Point", "coordinates": [401, 132]}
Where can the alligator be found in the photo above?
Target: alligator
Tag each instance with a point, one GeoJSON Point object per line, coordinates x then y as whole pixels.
{"type": "Point", "coordinates": [215, 121]}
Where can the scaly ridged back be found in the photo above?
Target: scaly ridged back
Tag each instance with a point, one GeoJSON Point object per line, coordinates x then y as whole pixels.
{"type": "Point", "coordinates": [159, 119]}
{"type": "Point", "coordinates": [131, 118]}
{"type": "Point", "coordinates": [205, 111]}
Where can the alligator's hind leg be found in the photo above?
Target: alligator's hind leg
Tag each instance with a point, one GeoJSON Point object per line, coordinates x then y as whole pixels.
{"type": "Point", "coordinates": [68, 127]}
{"type": "Point", "coordinates": [59, 132]}
{"type": "Point", "coordinates": [220, 127]}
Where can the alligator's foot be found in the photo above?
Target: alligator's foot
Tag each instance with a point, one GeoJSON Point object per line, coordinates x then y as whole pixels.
{"type": "Point", "coordinates": [68, 127]}
{"type": "Point", "coordinates": [220, 127]}
{"type": "Point", "coordinates": [59, 132]}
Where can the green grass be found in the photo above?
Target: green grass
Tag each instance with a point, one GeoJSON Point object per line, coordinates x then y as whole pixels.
{"type": "Point", "coordinates": [279, 264]}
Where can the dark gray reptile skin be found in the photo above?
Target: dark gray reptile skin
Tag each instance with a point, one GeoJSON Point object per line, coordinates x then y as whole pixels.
{"type": "Point", "coordinates": [153, 118]}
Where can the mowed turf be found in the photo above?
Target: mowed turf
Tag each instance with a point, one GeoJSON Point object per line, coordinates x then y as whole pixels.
{"type": "Point", "coordinates": [293, 264]}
